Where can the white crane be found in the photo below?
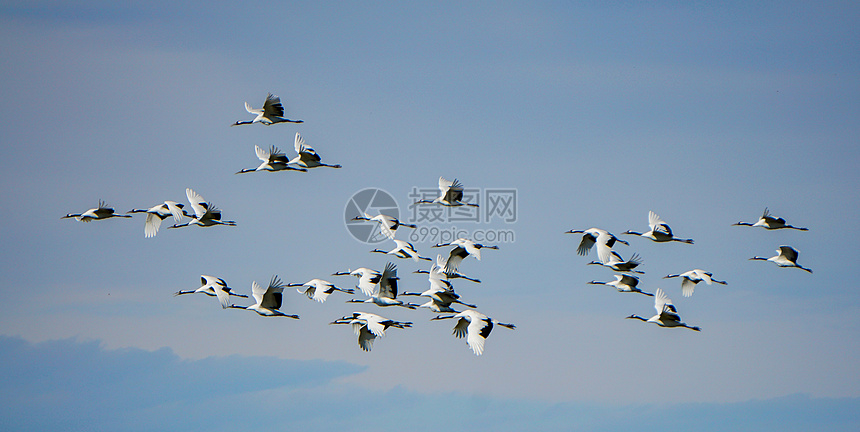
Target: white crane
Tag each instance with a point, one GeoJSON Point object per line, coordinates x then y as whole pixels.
{"type": "Point", "coordinates": [209, 285]}
{"type": "Point", "coordinates": [307, 156]}
{"type": "Point", "coordinates": [450, 194]}
{"type": "Point", "coordinates": [156, 214]}
{"type": "Point", "coordinates": [623, 283]}
{"type": "Point", "coordinates": [691, 278]}
{"type": "Point", "coordinates": [442, 263]}
{"type": "Point", "coordinates": [440, 299]}
{"type": "Point", "coordinates": [268, 300]}
{"type": "Point", "coordinates": [615, 262]}
{"type": "Point", "coordinates": [367, 279]}
{"type": "Point", "coordinates": [475, 326]}
{"type": "Point", "coordinates": [452, 275]}
{"type": "Point", "coordinates": [462, 248]}
{"type": "Point", "coordinates": [436, 306]}
{"type": "Point", "coordinates": [318, 289]}
{"type": "Point", "coordinates": [385, 293]}
{"type": "Point", "coordinates": [223, 294]}
{"type": "Point", "coordinates": [441, 292]}
{"type": "Point", "coordinates": [98, 213]}
{"type": "Point", "coordinates": [592, 236]}
{"type": "Point", "coordinates": [271, 113]}
{"type": "Point", "coordinates": [660, 231]}
{"type": "Point", "coordinates": [437, 276]}
{"type": "Point", "coordinates": [470, 247]}
{"type": "Point", "coordinates": [769, 222]}
{"type": "Point", "coordinates": [787, 258]}
{"type": "Point", "coordinates": [368, 326]}
{"type": "Point", "coordinates": [403, 249]}
{"type": "Point", "coordinates": [272, 160]}
{"type": "Point", "coordinates": [387, 224]}
{"type": "Point", "coordinates": [667, 315]}
{"type": "Point", "coordinates": [205, 214]}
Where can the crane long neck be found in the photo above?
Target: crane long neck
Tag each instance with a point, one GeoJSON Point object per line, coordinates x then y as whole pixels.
{"type": "Point", "coordinates": [467, 278]}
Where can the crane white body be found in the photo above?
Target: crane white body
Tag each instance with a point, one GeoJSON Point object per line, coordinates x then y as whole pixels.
{"type": "Point", "coordinates": [442, 263]}
{"type": "Point", "coordinates": [690, 278]}
{"type": "Point", "coordinates": [462, 248]}
{"type": "Point", "coordinates": [770, 222]}
{"type": "Point", "coordinates": [205, 214]}
{"type": "Point", "coordinates": [474, 326]}
{"type": "Point", "coordinates": [667, 315]}
{"type": "Point", "coordinates": [450, 194]}
{"type": "Point", "coordinates": [623, 283]}
{"type": "Point", "coordinates": [403, 249]}
{"type": "Point", "coordinates": [787, 257]}
{"type": "Point", "coordinates": [156, 214]}
{"type": "Point", "coordinates": [615, 262]}
{"type": "Point", "coordinates": [441, 292]}
{"type": "Point", "coordinates": [209, 285]}
{"type": "Point", "coordinates": [307, 157]}
{"type": "Point", "coordinates": [268, 300]}
{"type": "Point", "coordinates": [271, 160]}
{"type": "Point", "coordinates": [660, 231]}
{"type": "Point", "coordinates": [385, 293]}
{"type": "Point", "coordinates": [367, 279]}
{"type": "Point", "coordinates": [98, 213]}
{"type": "Point", "coordinates": [271, 113]}
{"type": "Point", "coordinates": [368, 327]}
{"type": "Point", "coordinates": [440, 299]}
{"type": "Point", "coordinates": [318, 289]}
{"type": "Point", "coordinates": [593, 236]}
{"type": "Point", "coordinates": [388, 225]}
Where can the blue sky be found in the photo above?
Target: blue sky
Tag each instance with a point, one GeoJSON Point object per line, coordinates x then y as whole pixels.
{"type": "Point", "coordinates": [594, 113]}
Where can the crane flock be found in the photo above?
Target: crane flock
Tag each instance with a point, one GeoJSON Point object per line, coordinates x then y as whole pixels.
{"type": "Point", "coordinates": [667, 314]}
{"type": "Point", "coordinates": [381, 288]}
